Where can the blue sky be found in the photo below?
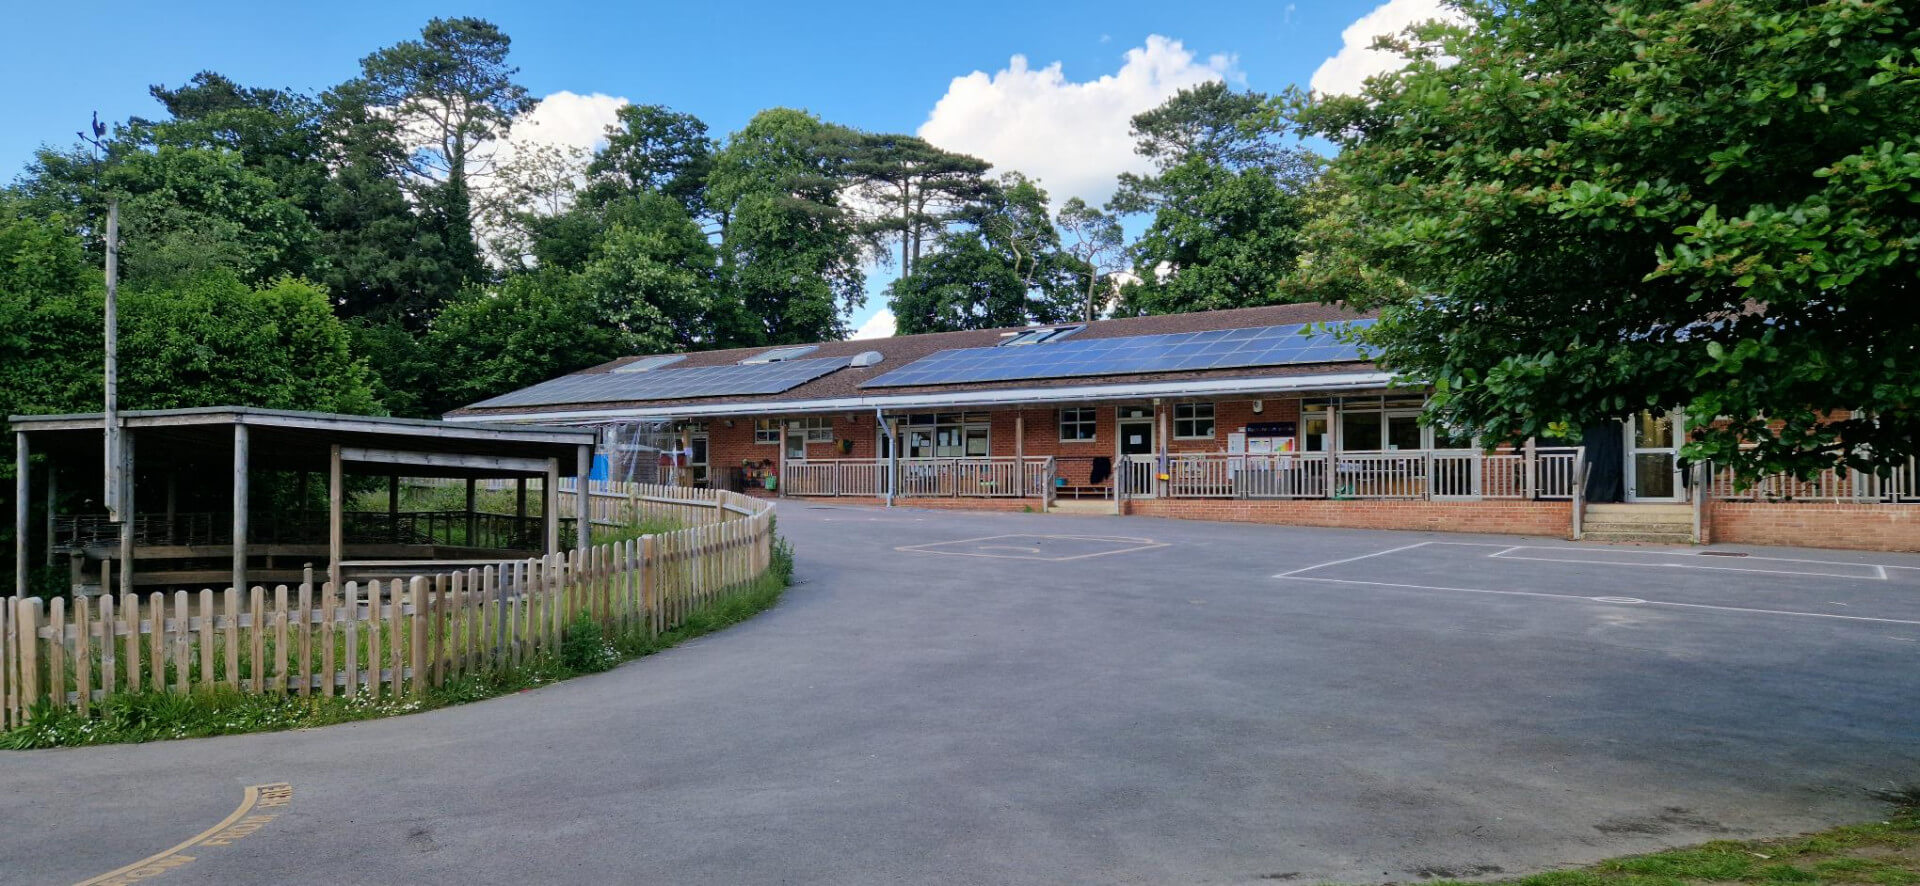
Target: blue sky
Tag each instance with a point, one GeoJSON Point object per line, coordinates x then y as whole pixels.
{"type": "Point", "coordinates": [877, 66]}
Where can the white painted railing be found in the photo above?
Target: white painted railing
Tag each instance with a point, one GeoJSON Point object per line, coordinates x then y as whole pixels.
{"type": "Point", "coordinates": [863, 477]}
{"type": "Point", "coordinates": [1900, 486]}
{"type": "Point", "coordinates": [1401, 474]}
{"type": "Point", "coordinates": [996, 477]}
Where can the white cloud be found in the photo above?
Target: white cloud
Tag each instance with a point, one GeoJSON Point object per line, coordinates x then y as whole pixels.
{"type": "Point", "coordinates": [1072, 136]}
{"type": "Point", "coordinates": [1347, 71]}
{"type": "Point", "coordinates": [880, 325]}
{"type": "Point", "coordinates": [564, 119]}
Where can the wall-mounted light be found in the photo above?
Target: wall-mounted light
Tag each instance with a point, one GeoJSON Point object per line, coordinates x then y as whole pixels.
{"type": "Point", "coordinates": [730, 421]}
{"type": "Point", "coordinates": [1259, 405]}
{"type": "Point", "coordinates": [853, 418]}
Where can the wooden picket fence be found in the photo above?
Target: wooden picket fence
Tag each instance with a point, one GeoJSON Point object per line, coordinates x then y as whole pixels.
{"type": "Point", "coordinates": [381, 638]}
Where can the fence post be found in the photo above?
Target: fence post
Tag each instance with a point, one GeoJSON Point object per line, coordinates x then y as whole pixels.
{"type": "Point", "coordinates": [417, 628]}
{"type": "Point", "coordinates": [28, 626]}
{"type": "Point", "coordinates": [1529, 482]}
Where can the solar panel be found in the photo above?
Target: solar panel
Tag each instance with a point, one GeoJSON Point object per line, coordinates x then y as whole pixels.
{"type": "Point", "coordinates": [671, 384]}
{"type": "Point", "coordinates": [1173, 352]}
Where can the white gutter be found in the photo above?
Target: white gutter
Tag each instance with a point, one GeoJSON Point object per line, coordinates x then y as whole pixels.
{"type": "Point", "coordinates": [1003, 397]}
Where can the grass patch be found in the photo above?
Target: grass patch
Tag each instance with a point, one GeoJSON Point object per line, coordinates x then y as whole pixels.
{"type": "Point", "coordinates": [1880, 853]}
{"type": "Point", "coordinates": [152, 716]}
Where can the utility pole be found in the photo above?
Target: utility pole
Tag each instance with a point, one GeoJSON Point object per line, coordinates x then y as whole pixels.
{"type": "Point", "coordinates": [115, 465]}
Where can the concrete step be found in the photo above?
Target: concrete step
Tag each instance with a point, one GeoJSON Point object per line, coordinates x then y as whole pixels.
{"type": "Point", "coordinates": [1081, 506]}
{"type": "Point", "coordinates": [1640, 513]}
{"type": "Point", "coordinates": [1661, 538]}
{"type": "Point", "coordinates": [1682, 528]}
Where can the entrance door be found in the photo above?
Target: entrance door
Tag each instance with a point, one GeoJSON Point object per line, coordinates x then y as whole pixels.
{"type": "Point", "coordinates": [697, 460]}
{"type": "Point", "coordinates": [1653, 471]}
{"type": "Point", "coordinates": [1134, 426]}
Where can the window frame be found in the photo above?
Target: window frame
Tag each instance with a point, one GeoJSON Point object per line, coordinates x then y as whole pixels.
{"type": "Point", "coordinates": [1193, 420]}
{"type": "Point", "coordinates": [775, 429]}
{"type": "Point", "coordinates": [1090, 423]}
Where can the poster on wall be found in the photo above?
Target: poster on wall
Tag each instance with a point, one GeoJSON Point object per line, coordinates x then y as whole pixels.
{"type": "Point", "coordinates": [1273, 438]}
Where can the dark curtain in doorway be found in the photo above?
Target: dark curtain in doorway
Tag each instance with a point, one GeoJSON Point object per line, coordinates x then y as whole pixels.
{"type": "Point", "coordinates": [1606, 460]}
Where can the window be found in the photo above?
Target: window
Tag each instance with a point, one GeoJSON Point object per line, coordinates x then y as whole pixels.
{"type": "Point", "coordinates": [645, 363]}
{"type": "Point", "coordinates": [1039, 334]}
{"type": "Point", "coordinates": [1193, 421]}
{"type": "Point", "coordinates": [1077, 424]}
{"type": "Point", "coordinates": [948, 435]}
{"type": "Point", "coordinates": [816, 428]}
{"type": "Point", "coordinates": [780, 354]}
{"type": "Point", "coordinates": [766, 430]}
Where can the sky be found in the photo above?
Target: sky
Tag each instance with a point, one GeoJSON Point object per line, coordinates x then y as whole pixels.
{"type": "Point", "coordinates": [1042, 87]}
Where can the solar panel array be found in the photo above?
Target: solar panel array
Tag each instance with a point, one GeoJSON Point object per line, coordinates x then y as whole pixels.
{"type": "Point", "coordinates": [671, 384]}
{"type": "Point", "coordinates": [1174, 352]}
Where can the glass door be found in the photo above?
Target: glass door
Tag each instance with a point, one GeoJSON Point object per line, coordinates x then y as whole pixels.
{"type": "Point", "coordinates": [697, 460]}
{"type": "Point", "coordinates": [1653, 470]}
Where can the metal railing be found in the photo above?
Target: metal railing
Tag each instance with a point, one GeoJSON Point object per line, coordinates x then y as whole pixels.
{"type": "Point", "coordinates": [1837, 484]}
{"type": "Point", "coordinates": [994, 477]}
{"type": "Point", "coordinates": [1547, 473]}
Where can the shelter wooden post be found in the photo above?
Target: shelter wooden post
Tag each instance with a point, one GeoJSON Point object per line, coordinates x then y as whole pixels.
{"type": "Point", "coordinates": [53, 498]}
{"type": "Point", "coordinates": [127, 516]}
{"type": "Point", "coordinates": [173, 506]}
{"type": "Point", "coordinates": [22, 487]}
{"type": "Point", "coordinates": [336, 506]}
{"type": "Point", "coordinates": [582, 502]}
{"type": "Point", "coordinates": [550, 506]}
{"type": "Point", "coordinates": [240, 472]}
{"type": "Point", "coordinates": [393, 506]}
{"type": "Point", "coordinates": [473, 520]}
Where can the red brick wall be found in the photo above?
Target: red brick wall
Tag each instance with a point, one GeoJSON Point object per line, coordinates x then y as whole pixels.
{"type": "Point", "coordinates": [1863, 527]}
{"type": "Point", "coordinates": [1548, 518]}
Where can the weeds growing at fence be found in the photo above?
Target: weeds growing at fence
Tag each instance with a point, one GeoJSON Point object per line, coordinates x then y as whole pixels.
{"type": "Point", "coordinates": [1876, 853]}
{"type": "Point", "coordinates": [152, 716]}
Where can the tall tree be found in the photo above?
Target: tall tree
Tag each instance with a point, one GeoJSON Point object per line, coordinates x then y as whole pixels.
{"type": "Point", "coordinates": [1096, 240]}
{"type": "Point", "coordinates": [385, 261]}
{"type": "Point", "coordinates": [1225, 198]}
{"type": "Point", "coordinates": [453, 90]}
{"type": "Point", "coordinates": [653, 149]}
{"type": "Point", "coordinates": [914, 187]}
{"type": "Point", "coordinates": [1644, 205]}
{"type": "Point", "coordinates": [1003, 267]}
{"type": "Point", "coordinates": [790, 251]}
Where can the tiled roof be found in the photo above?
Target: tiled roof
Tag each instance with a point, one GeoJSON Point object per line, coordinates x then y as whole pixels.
{"type": "Point", "coordinates": [899, 351]}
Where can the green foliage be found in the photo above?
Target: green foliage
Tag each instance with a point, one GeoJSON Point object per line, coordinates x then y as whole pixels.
{"type": "Point", "coordinates": [790, 251]}
{"type": "Point", "coordinates": [652, 149]}
{"type": "Point", "coordinates": [1226, 204]}
{"type": "Point", "coordinates": [528, 329]}
{"type": "Point", "coordinates": [584, 648]}
{"type": "Point", "coordinates": [650, 275]}
{"type": "Point", "coordinates": [1005, 268]}
{"type": "Point", "coordinates": [1644, 205]}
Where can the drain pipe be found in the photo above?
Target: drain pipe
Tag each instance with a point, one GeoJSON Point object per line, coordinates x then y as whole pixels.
{"type": "Point", "coordinates": [893, 453]}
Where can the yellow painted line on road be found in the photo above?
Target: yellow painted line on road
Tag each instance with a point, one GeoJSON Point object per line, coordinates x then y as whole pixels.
{"type": "Point", "coordinates": [226, 833]}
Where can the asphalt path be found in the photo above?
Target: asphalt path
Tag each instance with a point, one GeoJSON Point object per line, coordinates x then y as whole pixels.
{"type": "Point", "coordinates": [1015, 698]}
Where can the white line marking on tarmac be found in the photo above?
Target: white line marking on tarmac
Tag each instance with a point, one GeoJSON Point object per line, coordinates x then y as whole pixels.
{"type": "Point", "coordinates": [1362, 557]}
{"type": "Point", "coordinates": [1502, 555]}
{"type": "Point", "coordinates": [1744, 609]}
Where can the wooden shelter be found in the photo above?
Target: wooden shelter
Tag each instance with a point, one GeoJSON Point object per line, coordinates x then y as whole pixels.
{"type": "Point", "coordinates": [189, 483]}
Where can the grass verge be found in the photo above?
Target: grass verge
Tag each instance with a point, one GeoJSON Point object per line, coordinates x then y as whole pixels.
{"type": "Point", "coordinates": [153, 716]}
{"type": "Point", "coordinates": [1876, 853]}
